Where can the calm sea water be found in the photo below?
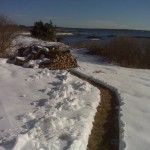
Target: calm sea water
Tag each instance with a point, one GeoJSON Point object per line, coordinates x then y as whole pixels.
{"type": "Point", "coordinates": [102, 34]}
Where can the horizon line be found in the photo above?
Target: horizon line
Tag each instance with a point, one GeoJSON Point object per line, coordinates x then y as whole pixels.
{"type": "Point", "coordinates": [93, 28]}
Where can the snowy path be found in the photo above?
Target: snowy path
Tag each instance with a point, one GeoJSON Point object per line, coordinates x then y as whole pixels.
{"type": "Point", "coordinates": [105, 130]}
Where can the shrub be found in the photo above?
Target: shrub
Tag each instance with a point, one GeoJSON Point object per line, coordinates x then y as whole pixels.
{"type": "Point", "coordinates": [7, 34]}
{"type": "Point", "coordinates": [123, 50]}
{"type": "Point", "coordinates": [94, 47]}
{"type": "Point", "coordinates": [44, 31]}
{"type": "Point", "coordinates": [146, 53]}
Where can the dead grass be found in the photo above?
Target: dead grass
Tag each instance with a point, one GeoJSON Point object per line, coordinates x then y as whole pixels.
{"type": "Point", "coordinates": [7, 34]}
{"type": "Point", "coordinates": [123, 50]}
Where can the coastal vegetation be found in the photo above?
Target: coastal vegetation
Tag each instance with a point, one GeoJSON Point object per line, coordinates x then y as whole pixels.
{"type": "Point", "coordinates": [123, 50]}
{"type": "Point", "coordinates": [44, 31]}
{"type": "Point", "coordinates": [8, 28]}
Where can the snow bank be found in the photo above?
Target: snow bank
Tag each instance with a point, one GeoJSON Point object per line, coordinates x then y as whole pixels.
{"type": "Point", "coordinates": [43, 109]}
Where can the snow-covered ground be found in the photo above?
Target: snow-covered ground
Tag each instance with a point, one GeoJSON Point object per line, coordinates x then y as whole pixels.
{"type": "Point", "coordinates": [133, 89]}
{"type": "Point", "coordinates": [43, 109]}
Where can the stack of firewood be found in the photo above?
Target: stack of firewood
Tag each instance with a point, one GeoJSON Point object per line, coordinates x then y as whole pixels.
{"type": "Point", "coordinates": [51, 57]}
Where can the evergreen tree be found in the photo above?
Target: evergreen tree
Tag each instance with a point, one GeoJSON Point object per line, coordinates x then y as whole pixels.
{"type": "Point", "coordinates": [45, 31]}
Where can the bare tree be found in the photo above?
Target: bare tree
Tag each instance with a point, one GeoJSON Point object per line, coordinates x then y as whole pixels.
{"type": "Point", "coordinates": [7, 34]}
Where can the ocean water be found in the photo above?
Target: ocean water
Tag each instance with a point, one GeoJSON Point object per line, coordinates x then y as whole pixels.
{"type": "Point", "coordinates": [102, 35]}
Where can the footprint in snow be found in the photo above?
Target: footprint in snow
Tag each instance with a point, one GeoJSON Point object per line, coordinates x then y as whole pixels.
{"type": "Point", "coordinates": [1, 118]}
{"type": "Point", "coordinates": [24, 95]}
{"type": "Point", "coordinates": [67, 140]}
{"type": "Point", "coordinates": [39, 103]}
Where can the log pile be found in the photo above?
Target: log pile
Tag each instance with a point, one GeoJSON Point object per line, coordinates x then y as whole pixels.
{"type": "Point", "coordinates": [51, 57]}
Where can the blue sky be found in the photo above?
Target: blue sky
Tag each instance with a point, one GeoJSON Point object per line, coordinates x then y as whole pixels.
{"type": "Point", "coordinates": [130, 14]}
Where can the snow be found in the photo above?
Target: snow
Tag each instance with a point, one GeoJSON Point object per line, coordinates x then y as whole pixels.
{"type": "Point", "coordinates": [44, 109]}
{"type": "Point", "coordinates": [21, 58]}
{"type": "Point", "coordinates": [24, 41]}
{"type": "Point", "coordinates": [133, 89]}
{"type": "Point", "coordinates": [64, 33]}
{"type": "Point", "coordinates": [94, 39]}
{"type": "Point", "coordinates": [25, 33]}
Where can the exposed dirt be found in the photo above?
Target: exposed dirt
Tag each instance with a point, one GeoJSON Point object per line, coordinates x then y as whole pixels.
{"type": "Point", "coordinates": [105, 132]}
